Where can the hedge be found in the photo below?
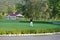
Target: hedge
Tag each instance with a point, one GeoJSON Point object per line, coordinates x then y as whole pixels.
{"type": "Point", "coordinates": [37, 22]}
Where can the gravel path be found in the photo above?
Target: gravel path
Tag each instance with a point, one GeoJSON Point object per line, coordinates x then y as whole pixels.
{"type": "Point", "coordinates": [39, 37]}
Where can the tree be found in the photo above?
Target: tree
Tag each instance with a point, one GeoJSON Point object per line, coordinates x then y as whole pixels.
{"type": "Point", "coordinates": [18, 7]}
{"type": "Point", "coordinates": [11, 9]}
{"type": "Point", "coordinates": [31, 9]}
{"type": "Point", "coordinates": [27, 11]}
{"type": "Point", "coordinates": [53, 4]}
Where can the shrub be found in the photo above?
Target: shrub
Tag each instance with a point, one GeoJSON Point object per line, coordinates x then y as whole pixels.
{"type": "Point", "coordinates": [34, 31]}
{"type": "Point", "coordinates": [25, 31]}
{"type": "Point", "coordinates": [36, 22]}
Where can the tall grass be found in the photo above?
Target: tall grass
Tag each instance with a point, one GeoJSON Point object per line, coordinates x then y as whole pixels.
{"type": "Point", "coordinates": [29, 31]}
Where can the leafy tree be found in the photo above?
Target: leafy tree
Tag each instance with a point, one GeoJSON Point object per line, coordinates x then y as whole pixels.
{"type": "Point", "coordinates": [53, 4]}
{"type": "Point", "coordinates": [11, 8]}
{"type": "Point", "coordinates": [19, 7]}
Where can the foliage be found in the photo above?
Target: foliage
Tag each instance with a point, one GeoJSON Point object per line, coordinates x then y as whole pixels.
{"type": "Point", "coordinates": [30, 31]}
{"type": "Point", "coordinates": [54, 6]}
{"type": "Point", "coordinates": [36, 9]}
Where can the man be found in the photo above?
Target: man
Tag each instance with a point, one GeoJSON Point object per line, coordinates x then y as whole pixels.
{"type": "Point", "coordinates": [31, 23]}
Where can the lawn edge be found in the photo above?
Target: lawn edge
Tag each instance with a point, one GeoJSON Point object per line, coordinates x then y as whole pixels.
{"type": "Point", "coordinates": [30, 34]}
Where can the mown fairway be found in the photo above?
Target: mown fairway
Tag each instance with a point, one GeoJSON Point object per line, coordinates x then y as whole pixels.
{"type": "Point", "coordinates": [23, 26]}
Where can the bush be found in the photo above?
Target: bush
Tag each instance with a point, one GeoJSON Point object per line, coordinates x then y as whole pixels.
{"type": "Point", "coordinates": [25, 31]}
{"type": "Point", "coordinates": [34, 31]}
{"type": "Point", "coordinates": [2, 32]}
{"type": "Point", "coordinates": [36, 22]}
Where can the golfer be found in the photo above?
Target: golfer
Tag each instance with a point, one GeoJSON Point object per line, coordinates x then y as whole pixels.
{"type": "Point", "coordinates": [31, 23]}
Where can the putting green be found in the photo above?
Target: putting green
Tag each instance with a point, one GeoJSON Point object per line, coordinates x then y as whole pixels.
{"type": "Point", "coordinates": [24, 26]}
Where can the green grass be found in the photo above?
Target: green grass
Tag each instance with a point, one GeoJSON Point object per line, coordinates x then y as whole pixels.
{"type": "Point", "coordinates": [18, 27]}
{"type": "Point", "coordinates": [25, 26]}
